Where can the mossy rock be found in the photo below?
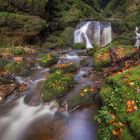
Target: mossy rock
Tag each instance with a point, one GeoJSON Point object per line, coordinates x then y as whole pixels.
{"type": "Point", "coordinates": [66, 67]}
{"type": "Point", "coordinates": [121, 97]}
{"type": "Point", "coordinates": [84, 97]}
{"type": "Point", "coordinates": [102, 57]}
{"type": "Point", "coordinates": [16, 67]}
{"type": "Point", "coordinates": [56, 86]}
{"type": "Point", "coordinates": [48, 60]}
{"type": "Point", "coordinates": [78, 46]}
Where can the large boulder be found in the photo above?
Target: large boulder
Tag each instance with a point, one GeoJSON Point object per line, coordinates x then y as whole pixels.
{"type": "Point", "coordinates": [56, 86]}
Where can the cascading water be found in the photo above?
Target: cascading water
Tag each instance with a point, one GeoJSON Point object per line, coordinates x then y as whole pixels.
{"type": "Point", "coordinates": [80, 35]}
{"type": "Point", "coordinates": [22, 116]}
{"type": "Point", "coordinates": [93, 32]}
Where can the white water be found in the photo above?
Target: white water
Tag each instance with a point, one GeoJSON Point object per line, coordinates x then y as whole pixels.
{"type": "Point", "coordinates": [71, 57]}
{"type": "Point", "coordinates": [107, 35]}
{"type": "Point", "coordinates": [21, 116]}
{"type": "Point", "coordinates": [81, 34]}
{"type": "Point", "coordinates": [93, 32]}
{"type": "Point", "coordinates": [137, 37]}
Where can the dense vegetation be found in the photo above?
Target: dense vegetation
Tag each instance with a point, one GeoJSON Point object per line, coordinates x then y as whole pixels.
{"type": "Point", "coordinates": [27, 26]}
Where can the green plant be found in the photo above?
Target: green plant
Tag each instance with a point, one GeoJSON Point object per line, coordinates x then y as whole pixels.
{"type": "Point", "coordinates": [79, 46]}
{"type": "Point", "coordinates": [17, 51]}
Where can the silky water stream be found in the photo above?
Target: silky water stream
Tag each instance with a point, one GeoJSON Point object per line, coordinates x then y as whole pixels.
{"type": "Point", "coordinates": [26, 118]}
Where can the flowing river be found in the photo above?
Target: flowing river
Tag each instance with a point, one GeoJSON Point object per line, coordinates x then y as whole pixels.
{"type": "Point", "coordinates": [27, 118]}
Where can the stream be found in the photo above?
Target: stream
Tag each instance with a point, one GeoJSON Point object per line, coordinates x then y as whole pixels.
{"type": "Point", "coordinates": [27, 118]}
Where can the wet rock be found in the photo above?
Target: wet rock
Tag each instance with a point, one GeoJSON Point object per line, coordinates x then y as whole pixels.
{"type": "Point", "coordinates": [23, 87]}
{"type": "Point", "coordinates": [82, 52]}
{"type": "Point", "coordinates": [6, 90]}
{"type": "Point", "coordinates": [84, 97]}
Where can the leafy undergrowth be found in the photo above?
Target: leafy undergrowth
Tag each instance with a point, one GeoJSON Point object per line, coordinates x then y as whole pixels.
{"type": "Point", "coordinates": [120, 116]}
{"type": "Point", "coordinates": [57, 85]}
{"type": "Point", "coordinates": [102, 56]}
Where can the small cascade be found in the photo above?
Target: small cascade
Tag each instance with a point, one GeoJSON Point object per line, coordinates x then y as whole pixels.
{"type": "Point", "coordinates": [93, 32]}
{"type": "Point", "coordinates": [21, 116]}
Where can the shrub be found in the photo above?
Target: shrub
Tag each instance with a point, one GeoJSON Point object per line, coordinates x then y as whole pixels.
{"type": "Point", "coordinates": [66, 38]}
{"type": "Point", "coordinates": [3, 62]}
{"type": "Point", "coordinates": [17, 51]}
{"type": "Point", "coordinates": [79, 46]}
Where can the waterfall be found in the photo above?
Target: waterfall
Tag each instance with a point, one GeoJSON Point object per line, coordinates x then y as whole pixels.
{"type": "Point", "coordinates": [137, 44]}
{"type": "Point", "coordinates": [107, 35]}
{"type": "Point", "coordinates": [80, 35]}
{"type": "Point", "coordinates": [93, 32]}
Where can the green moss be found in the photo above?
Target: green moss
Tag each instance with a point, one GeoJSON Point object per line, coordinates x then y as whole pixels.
{"type": "Point", "coordinates": [102, 57]}
{"type": "Point", "coordinates": [3, 62]}
{"type": "Point", "coordinates": [35, 7]}
{"type": "Point", "coordinates": [116, 92]}
{"type": "Point", "coordinates": [17, 51]}
{"type": "Point", "coordinates": [14, 67]}
{"type": "Point", "coordinates": [78, 46]}
{"type": "Point", "coordinates": [48, 59]}
{"type": "Point", "coordinates": [84, 97]}
{"type": "Point", "coordinates": [56, 85]}
{"type": "Point", "coordinates": [66, 67]}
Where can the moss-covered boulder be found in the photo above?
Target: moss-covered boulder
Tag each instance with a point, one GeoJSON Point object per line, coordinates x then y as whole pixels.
{"type": "Point", "coordinates": [84, 97]}
{"type": "Point", "coordinates": [66, 67]}
{"type": "Point", "coordinates": [56, 86]}
{"type": "Point", "coordinates": [121, 97]}
{"type": "Point", "coordinates": [48, 60]}
{"type": "Point", "coordinates": [16, 67]}
{"type": "Point", "coordinates": [18, 28]}
{"type": "Point", "coordinates": [102, 56]}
